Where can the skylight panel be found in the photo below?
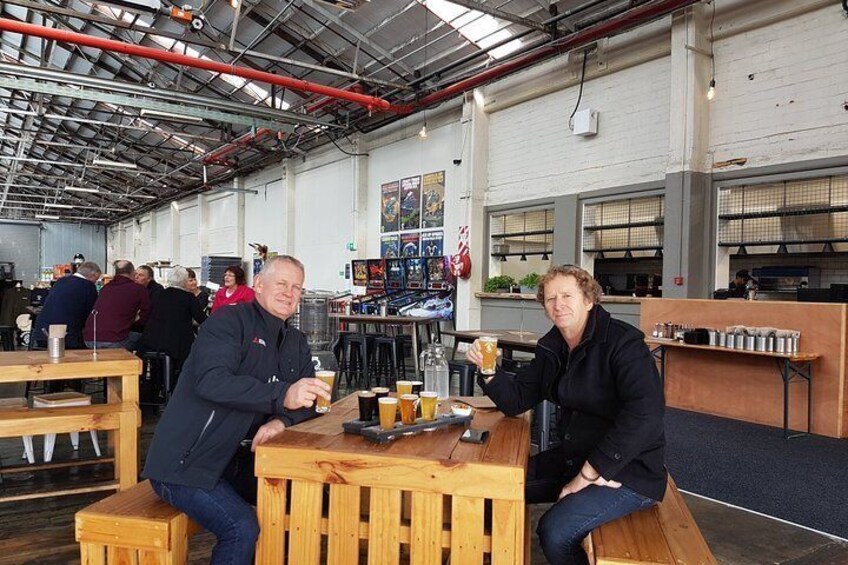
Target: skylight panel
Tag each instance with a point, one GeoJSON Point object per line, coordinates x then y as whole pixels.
{"type": "Point", "coordinates": [477, 27]}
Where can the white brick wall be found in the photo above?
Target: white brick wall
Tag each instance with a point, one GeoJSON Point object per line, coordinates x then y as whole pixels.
{"type": "Point", "coordinates": [791, 110]}
{"type": "Point", "coordinates": [532, 153]}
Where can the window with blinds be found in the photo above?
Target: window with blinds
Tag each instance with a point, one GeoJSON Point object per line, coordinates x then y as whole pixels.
{"type": "Point", "coordinates": [522, 233]}
{"type": "Point", "coordinates": [790, 212]}
{"type": "Point", "coordinates": [632, 224]}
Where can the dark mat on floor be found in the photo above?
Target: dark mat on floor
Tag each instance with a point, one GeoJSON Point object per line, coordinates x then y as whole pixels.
{"type": "Point", "coordinates": [803, 480]}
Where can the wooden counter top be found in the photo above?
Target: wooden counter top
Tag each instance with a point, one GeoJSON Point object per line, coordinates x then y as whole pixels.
{"type": "Point", "coordinates": [532, 297]}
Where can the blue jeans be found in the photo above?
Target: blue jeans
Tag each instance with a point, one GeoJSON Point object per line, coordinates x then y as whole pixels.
{"type": "Point", "coordinates": [221, 511]}
{"type": "Point", "coordinates": [562, 528]}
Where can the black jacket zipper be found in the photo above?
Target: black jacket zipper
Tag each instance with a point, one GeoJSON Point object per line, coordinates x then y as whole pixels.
{"type": "Point", "coordinates": [197, 441]}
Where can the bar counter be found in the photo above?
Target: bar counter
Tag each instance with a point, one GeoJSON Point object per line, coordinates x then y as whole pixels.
{"type": "Point", "coordinates": [749, 387]}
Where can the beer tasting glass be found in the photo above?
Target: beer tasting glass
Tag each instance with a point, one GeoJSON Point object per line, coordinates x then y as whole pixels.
{"type": "Point", "coordinates": [404, 387]}
{"type": "Point", "coordinates": [408, 405]}
{"type": "Point", "coordinates": [388, 410]}
{"type": "Point", "coordinates": [322, 405]}
{"type": "Point", "coordinates": [417, 387]}
{"type": "Point", "coordinates": [489, 348]}
{"type": "Point", "coordinates": [429, 402]}
{"type": "Point", "coordinates": [380, 391]}
{"type": "Point", "coordinates": [367, 405]}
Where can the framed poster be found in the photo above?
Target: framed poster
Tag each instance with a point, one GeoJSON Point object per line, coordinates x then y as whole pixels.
{"type": "Point", "coordinates": [433, 200]}
{"type": "Point", "coordinates": [390, 246]}
{"type": "Point", "coordinates": [390, 208]}
{"type": "Point", "coordinates": [410, 245]}
{"type": "Point", "coordinates": [432, 243]}
{"type": "Point", "coordinates": [410, 203]}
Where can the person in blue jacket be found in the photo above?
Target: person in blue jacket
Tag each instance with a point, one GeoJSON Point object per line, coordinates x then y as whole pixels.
{"type": "Point", "coordinates": [249, 376]}
{"type": "Point", "coordinates": [69, 302]}
{"type": "Point", "coordinates": [610, 460]}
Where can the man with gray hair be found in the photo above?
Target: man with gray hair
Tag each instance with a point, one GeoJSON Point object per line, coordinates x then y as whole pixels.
{"type": "Point", "coordinates": [69, 302]}
{"type": "Point", "coordinates": [249, 376]}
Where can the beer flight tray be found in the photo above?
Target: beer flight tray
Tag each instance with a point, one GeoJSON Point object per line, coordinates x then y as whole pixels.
{"type": "Point", "coordinates": [372, 431]}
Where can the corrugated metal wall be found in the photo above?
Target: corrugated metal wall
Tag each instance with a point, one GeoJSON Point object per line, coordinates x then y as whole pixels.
{"type": "Point", "coordinates": [20, 243]}
{"type": "Point", "coordinates": [61, 241]}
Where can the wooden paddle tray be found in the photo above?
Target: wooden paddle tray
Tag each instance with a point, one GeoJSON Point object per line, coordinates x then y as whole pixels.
{"type": "Point", "coordinates": [356, 426]}
{"type": "Point", "coordinates": [378, 435]}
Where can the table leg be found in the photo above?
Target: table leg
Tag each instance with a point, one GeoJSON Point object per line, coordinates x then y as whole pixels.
{"type": "Point", "coordinates": [786, 398]}
{"type": "Point", "coordinates": [126, 450]}
{"type": "Point", "coordinates": [415, 348]}
{"type": "Point", "coordinates": [789, 371]}
{"type": "Point", "coordinates": [270, 511]}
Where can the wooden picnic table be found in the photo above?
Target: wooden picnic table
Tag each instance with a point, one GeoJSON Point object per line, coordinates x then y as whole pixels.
{"type": "Point", "coordinates": [120, 415]}
{"type": "Point", "coordinates": [422, 495]}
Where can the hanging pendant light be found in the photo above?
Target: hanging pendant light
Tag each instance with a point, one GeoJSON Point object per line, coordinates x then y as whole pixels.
{"type": "Point", "coordinates": [742, 250]}
{"type": "Point", "coordinates": [523, 257]}
{"type": "Point", "coordinates": [628, 254]}
{"type": "Point", "coordinates": [545, 256]}
{"type": "Point", "coordinates": [782, 250]}
{"type": "Point", "coordinates": [828, 247]}
{"type": "Point", "coordinates": [659, 253]}
{"type": "Point", "coordinates": [600, 255]}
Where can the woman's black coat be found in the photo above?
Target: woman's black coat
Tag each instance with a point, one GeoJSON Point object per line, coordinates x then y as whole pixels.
{"type": "Point", "coordinates": [170, 328]}
{"type": "Point", "coordinates": [611, 398]}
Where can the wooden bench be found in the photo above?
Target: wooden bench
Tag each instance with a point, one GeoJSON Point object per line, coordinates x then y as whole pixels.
{"type": "Point", "coordinates": [665, 533]}
{"type": "Point", "coordinates": [133, 526]}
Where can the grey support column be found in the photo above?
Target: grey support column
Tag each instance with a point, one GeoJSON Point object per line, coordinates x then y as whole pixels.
{"type": "Point", "coordinates": [566, 230]}
{"type": "Point", "coordinates": [689, 238]}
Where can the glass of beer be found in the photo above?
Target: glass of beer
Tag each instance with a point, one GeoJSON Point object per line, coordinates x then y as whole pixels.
{"type": "Point", "coordinates": [404, 387]}
{"type": "Point", "coordinates": [408, 406]}
{"type": "Point", "coordinates": [388, 410]}
{"type": "Point", "coordinates": [489, 348]}
{"type": "Point", "coordinates": [322, 405]}
{"type": "Point", "coordinates": [429, 402]}
{"type": "Point", "coordinates": [380, 391]}
{"type": "Point", "coordinates": [367, 405]}
{"type": "Point", "coordinates": [417, 387]}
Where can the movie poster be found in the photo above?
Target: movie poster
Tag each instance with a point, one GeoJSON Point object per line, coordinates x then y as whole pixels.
{"type": "Point", "coordinates": [390, 246]}
{"type": "Point", "coordinates": [391, 207]}
{"type": "Point", "coordinates": [432, 243]}
{"type": "Point", "coordinates": [410, 203]}
{"type": "Point", "coordinates": [433, 200]}
{"type": "Point", "coordinates": [409, 245]}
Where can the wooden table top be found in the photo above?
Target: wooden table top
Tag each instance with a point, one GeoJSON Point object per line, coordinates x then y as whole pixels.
{"type": "Point", "coordinates": [27, 365]}
{"type": "Point", "coordinates": [514, 339]}
{"type": "Point", "coordinates": [802, 357]}
{"type": "Point", "coordinates": [375, 319]}
{"type": "Point", "coordinates": [508, 444]}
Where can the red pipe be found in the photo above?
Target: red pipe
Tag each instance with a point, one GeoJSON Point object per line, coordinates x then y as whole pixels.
{"type": "Point", "coordinates": [622, 22]}
{"type": "Point", "coordinates": [369, 102]}
{"type": "Point", "coordinates": [214, 158]}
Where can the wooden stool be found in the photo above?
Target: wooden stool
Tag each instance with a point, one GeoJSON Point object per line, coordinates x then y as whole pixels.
{"type": "Point", "coordinates": [57, 399]}
{"type": "Point", "coordinates": [133, 526]}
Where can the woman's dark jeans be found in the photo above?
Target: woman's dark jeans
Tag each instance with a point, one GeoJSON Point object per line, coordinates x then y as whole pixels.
{"type": "Point", "coordinates": [562, 528]}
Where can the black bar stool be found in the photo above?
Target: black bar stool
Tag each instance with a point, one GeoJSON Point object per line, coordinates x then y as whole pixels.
{"type": "Point", "coordinates": [7, 337]}
{"type": "Point", "coordinates": [157, 374]}
{"type": "Point", "coordinates": [390, 360]}
{"type": "Point", "coordinates": [359, 355]}
{"type": "Point", "coordinates": [466, 371]}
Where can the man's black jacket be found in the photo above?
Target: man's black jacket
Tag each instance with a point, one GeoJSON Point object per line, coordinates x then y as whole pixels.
{"type": "Point", "coordinates": [238, 371]}
{"type": "Point", "coordinates": [611, 398]}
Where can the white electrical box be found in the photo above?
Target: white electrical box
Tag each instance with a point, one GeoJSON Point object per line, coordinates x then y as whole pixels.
{"type": "Point", "coordinates": [586, 123]}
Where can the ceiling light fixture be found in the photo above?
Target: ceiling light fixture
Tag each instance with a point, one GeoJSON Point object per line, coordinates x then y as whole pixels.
{"type": "Point", "coordinates": [422, 133]}
{"type": "Point", "coordinates": [711, 90]}
{"type": "Point", "coordinates": [81, 189]}
{"type": "Point", "coordinates": [171, 116]}
{"type": "Point", "coordinates": [742, 250]}
{"type": "Point", "coordinates": [46, 217]}
{"type": "Point", "coordinates": [53, 205]}
{"type": "Point", "coordinates": [781, 249]}
{"type": "Point", "coordinates": [114, 164]}
{"type": "Point", "coordinates": [828, 247]}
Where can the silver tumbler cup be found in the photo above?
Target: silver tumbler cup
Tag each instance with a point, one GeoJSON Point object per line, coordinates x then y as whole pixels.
{"type": "Point", "coordinates": [55, 347]}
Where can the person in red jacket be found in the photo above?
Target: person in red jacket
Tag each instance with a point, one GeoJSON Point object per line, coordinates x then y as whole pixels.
{"type": "Point", "coordinates": [235, 289]}
{"type": "Point", "coordinates": [121, 303]}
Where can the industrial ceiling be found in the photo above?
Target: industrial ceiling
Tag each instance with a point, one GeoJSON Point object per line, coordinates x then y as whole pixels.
{"type": "Point", "coordinates": [109, 109]}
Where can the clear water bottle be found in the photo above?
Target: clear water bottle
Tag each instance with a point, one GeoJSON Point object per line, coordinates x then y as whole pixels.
{"type": "Point", "coordinates": [423, 361]}
{"type": "Point", "coordinates": [436, 373]}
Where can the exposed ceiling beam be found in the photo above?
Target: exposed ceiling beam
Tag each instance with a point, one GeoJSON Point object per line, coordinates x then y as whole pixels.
{"type": "Point", "coordinates": [500, 14]}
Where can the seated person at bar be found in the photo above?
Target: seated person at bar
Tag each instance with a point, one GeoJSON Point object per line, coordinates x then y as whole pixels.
{"type": "Point", "coordinates": [200, 293]}
{"type": "Point", "coordinates": [121, 304]}
{"type": "Point", "coordinates": [738, 287]}
{"type": "Point", "coordinates": [249, 375]}
{"type": "Point", "coordinates": [235, 289]}
{"type": "Point", "coordinates": [599, 370]}
{"type": "Point", "coordinates": [170, 328]}
{"type": "Point", "coordinates": [69, 302]}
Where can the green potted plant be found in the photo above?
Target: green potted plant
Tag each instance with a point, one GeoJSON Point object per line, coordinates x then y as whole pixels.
{"type": "Point", "coordinates": [500, 283]}
{"type": "Point", "coordinates": [529, 283]}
